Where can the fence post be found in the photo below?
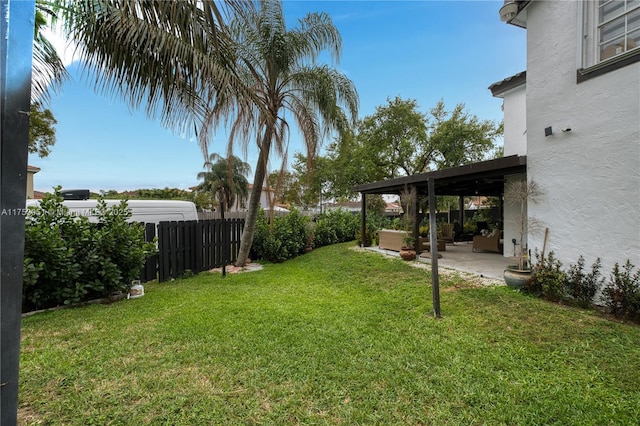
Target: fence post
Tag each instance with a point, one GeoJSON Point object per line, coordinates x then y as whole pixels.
{"type": "Point", "coordinates": [198, 236]}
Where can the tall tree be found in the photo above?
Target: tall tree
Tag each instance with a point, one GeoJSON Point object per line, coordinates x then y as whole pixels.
{"type": "Point", "coordinates": [226, 179]}
{"type": "Point", "coordinates": [172, 58]}
{"type": "Point", "coordinates": [399, 140]}
{"type": "Point", "coordinates": [395, 137]}
{"type": "Point", "coordinates": [48, 71]}
{"type": "Point", "coordinates": [280, 66]}
{"type": "Point", "coordinates": [42, 133]}
{"type": "Point", "coordinates": [460, 137]}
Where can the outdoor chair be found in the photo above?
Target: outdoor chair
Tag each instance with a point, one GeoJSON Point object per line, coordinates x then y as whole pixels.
{"type": "Point", "coordinates": [446, 233]}
{"type": "Point", "coordinates": [489, 243]}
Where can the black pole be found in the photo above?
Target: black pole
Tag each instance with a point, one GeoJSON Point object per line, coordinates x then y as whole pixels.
{"type": "Point", "coordinates": [433, 237]}
{"type": "Point", "coordinates": [225, 241]}
{"type": "Point", "coordinates": [461, 212]}
{"type": "Point", "coordinates": [363, 224]}
{"type": "Point", "coordinates": [16, 44]}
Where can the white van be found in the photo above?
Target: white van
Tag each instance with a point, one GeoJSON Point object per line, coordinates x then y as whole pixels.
{"type": "Point", "coordinates": [147, 211]}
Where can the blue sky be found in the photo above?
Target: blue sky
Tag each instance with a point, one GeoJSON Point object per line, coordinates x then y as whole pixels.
{"type": "Point", "coordinates": [423, 50]}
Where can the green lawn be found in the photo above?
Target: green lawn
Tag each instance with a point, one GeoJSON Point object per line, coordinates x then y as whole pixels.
{"type": "Point", "coordinates": [337, 336]}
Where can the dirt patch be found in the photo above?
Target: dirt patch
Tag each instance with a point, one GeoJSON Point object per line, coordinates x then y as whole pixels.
{"type": "Point", "coordinates": [232, 269]}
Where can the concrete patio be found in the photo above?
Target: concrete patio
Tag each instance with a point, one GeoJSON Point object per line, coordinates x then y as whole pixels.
{"type": "Point", "coordinates": [459, 256]}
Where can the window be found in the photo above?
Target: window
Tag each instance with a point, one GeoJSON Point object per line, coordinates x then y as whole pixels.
{"type": "Point", "coordinates": [618, 27]}
{"type": "Point", "coordinates": [610, 36]}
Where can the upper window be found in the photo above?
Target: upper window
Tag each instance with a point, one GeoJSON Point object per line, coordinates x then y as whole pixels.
{"type": "Point", "coordinates": [618, 27]}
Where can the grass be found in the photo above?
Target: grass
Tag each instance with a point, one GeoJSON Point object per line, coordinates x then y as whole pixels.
{"type": "Point", "coordinates": [337, 336]}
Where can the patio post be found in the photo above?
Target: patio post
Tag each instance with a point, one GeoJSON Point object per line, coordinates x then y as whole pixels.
{"type": "Point", "coordinates": [16, 44]}
{"type": "Point", "coordinates": [363, 218]}
{"type": "Point", "coordinates": [433, 238]}
{"type": "Point", "coordinates": [416, 223]}
{"type": "Point", "coordinates": [461, 211]}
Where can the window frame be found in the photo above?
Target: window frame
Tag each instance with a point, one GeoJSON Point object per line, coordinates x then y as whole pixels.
{"type": "Point", "coordinates": [590, 64]}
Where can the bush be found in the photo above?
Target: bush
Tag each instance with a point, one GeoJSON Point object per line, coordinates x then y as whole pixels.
{"type": "Point", "coordinates": [69, 259]}
{"type": "Point", "coordinates": [289, 235]}
{"type": "Point", "coordinates": [336, 226]}
{"type": "Point", "coordinates": [287, 239]}
{"type": "Point", "coordinates": [622, 292]}
{"type": "Point", "coordinates": [370, 237]}
{"type": "Point", "coordinates": [548, 279]}
{"type": "Point", "coordinates": [581, 287]}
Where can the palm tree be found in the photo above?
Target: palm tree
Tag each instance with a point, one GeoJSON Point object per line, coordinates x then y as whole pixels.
{"type": "Point", "coordinates": [279, 65]}
{"type": "Point", "coordinates": [172, 58]}
{"type": "Point", "coordinates": [226, 179]}
{"type": "Point", "coordinates": [48, 69]}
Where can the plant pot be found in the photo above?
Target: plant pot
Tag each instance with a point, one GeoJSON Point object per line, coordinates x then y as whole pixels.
{"type": "Point", "coordinates": [407, 253]}
{"type": "Point", "coordinates": [517, 278]}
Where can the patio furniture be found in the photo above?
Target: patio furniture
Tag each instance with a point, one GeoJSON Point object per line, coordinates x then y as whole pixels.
{"type": "Point", "coordinates": [390, 239]}
{"type": "Point", "coordinates": [426, 245]}
{"type": "Point", "coordinates": [446, 233]}
{"type": "Point", "coordinates": [489, 243]}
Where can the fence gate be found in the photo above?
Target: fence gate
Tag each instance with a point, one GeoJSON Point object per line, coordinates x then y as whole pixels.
{"type": "Point", "coordinates": [192, 245]}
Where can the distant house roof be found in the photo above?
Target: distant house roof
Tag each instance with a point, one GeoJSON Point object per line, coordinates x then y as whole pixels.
{"type": "Point", "coordinates": [499, 88]}
{"type": "Point", "coordinates": [38, 195]}
{"type": "Point", "coordinates": [33, 169]}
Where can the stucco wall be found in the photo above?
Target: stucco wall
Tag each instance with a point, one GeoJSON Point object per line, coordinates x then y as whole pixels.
{"type": "Point", "coordinates": [591, 175]}
{"type": "Point", "coordinates": [511, 220]}
{"type": "Point", "coordinates": [515, 122]}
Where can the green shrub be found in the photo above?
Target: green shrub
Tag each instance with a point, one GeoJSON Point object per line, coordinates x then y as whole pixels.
{"type": "Point", "coordinates": [622, 292]}
{"type": "Point", "coordinates": [69, 259]}
{"type": "Point", "coordinates": [370, 237]}
{"type": "Point", "coordinates": [581, 287]}
{"type": "Point", "coordinates": [548, 279]}
{"type": "Point", "coordinates": [286, 240]}
{"type": "Point", "coordinates": [336, 226]}
{"type": "Point", "coordinates": [289, 235]}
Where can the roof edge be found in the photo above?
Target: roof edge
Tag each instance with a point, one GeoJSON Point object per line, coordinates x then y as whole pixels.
{"type": "Point", "coordinates": [499, 88]}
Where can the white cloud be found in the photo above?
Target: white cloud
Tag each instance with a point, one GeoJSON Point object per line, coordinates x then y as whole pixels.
{"type": "Point", "coordinates": [65, 48]}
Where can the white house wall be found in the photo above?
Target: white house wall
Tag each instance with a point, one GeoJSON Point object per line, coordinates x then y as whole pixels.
{"type": "Point", "coordinates": [515, 121]}
{"type": "Point", "coordinates": [591, 175]}
{"type": "Point", "coordinates": [511, 225]}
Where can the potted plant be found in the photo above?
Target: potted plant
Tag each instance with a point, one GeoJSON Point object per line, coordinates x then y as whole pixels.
{"type": "Point", "coordinates": [407, 199]}
{"type": "Point", "coordinates": [519, 192]}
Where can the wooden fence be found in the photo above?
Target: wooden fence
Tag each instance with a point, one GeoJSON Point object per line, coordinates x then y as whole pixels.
{"type": "Point", "coordinates": [194, 246]}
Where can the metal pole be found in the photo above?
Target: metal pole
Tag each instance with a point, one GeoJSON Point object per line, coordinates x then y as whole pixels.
{"type": "Point", "coordinates": [225, 241]}
{"type": "Point", "coordinates": [433, 237]}
{"type": "Point", "coordinates": [363, 222]}
{"type": "Point", "coordinates": [16, 45]}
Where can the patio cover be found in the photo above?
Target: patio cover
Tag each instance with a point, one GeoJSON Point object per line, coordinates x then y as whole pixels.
{"type": "Point", "coordinates": [483, 178]}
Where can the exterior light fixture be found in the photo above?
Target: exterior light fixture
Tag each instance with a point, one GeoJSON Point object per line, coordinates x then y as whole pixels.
{"type": "Point", "coordinates": [508, 11]}
{"type": "Point", "coordinates": [548, 131]}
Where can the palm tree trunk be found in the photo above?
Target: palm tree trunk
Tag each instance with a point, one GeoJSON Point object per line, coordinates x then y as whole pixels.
{"type": "Point", "coordinates": [254, 201]}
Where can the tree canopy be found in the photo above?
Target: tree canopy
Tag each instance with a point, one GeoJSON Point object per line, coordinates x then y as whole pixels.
{"type": "Point", "coordinates": [42, 133]}
{"type": "Point", "coordinates": [226, 180]}
{"type": "Point", "coordinates": [399, 140]}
